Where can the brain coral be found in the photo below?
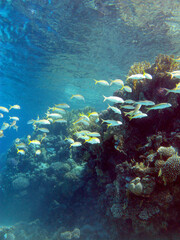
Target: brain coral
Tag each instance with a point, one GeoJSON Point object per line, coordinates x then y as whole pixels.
{"type": "Point", "coordinates": [171, 169]}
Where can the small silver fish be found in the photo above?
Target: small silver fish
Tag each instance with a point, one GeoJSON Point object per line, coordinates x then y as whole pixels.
{"type": "Point", "coordinates": [159, 106]}
{"type": "Point", "coordinates": [113, 99]}
{"type": "Point", "coordinates": [76, 144]}
{"type": "Point", "coordinates": [114, 109]}
{"type": "Point", "coordinates": [93, 140]}
{"type": "Point", "coordinates": [136, 76]}
{"type": "Point", "coordinates": [127, 88]}
{"type": "Point", "coordinates": [139, 115]}
{"type": "Point", "coordinates": [145, 103]}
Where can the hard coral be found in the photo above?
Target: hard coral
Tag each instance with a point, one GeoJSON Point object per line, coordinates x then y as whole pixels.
{"type": "Point", "coordinates": [135, 186]}
{"type": "Point", "coordinates": [142, 187]}
{"type": "Point", "coordinates": [164, 63]}
{"type": "Point", "coordinates": [171, 169]}
{"type": "Point", "coordinates": [166, 152]}
{"type": "Point", "coordinates": [139, 67]}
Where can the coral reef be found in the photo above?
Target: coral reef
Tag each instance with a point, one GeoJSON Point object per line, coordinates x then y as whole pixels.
{"type": "Point", "coordinates": [130, 179]}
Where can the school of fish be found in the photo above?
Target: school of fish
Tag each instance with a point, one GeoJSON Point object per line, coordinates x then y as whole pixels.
{"type": "Point", "coordinates": [57, 114]}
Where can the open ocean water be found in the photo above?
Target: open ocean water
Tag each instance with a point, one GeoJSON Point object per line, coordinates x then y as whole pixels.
{"type": "Point", "coordinates": [119, 180]}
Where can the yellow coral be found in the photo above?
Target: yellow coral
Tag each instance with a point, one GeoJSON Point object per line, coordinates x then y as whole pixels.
{"type": "Point", "coordinates": [164, 64]}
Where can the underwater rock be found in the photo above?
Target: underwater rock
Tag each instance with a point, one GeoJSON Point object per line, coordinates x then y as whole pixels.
{"type": "Point", "coordinates": [20, 183]}
{"type": "Point", "coordinates": [59, 168]}
{"type": "Point", "coordinates": [151, 157]}
{"type": "Point", "coordinates": [163, 198]}
{"type": "Point", "coordinates": [4, 231]}
{"type": "Point", "coordinates": [148, 183]}
{"type": "Point", "coordinates": [76, 233]}
{"type": "Point", "coordinates": [148, 212]}
{"type": "Point", "coordinates": [117, 210]}
{"type": "Point", "coordinates": [10, 236]}
{"type": "Point", "coordinates": [66, 235]}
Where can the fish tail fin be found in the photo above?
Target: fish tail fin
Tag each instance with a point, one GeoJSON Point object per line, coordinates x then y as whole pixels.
{"type": "Point", "coordinates": [102, 121]}
{"type": "Point", "coordinates": [10, 107]}
{"type": "Point", "coordinates": [170, 74]}
{"type": "Point", "coordinates": [108, 125]}
{"type": "Point", "coordinates": [122, 87]}
{"type": "Point", "coordinates": [167, 91]}
{"type": "Point", "coordinates": [10, 118]}
{"type": "Point", "coordinates": [148, 109]}
{"type": "Point", "coordinates": [111, 82]}
{"type": "Point", "coordinates": [72, 96]}
{"type": "Point", "coordinates": [126, 113]}
{"type": "Point", "coordinates": [174, 60]}
{"type": "Point", "coordinates": [29, 141]}
{"type": "Point", "coordinates": [109, 105]}
{"type": "Point", "coordinates": [130, 117]}
{"type": "Point", "coordinates": [17, 150]}
{"type": "Point", "coordinates": [104, 98]}
{"type": "Point", "coordinates": [96, 81]}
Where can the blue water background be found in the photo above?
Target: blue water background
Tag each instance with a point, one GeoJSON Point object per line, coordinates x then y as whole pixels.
{"type": "Point", "coordinates": [53, 49]}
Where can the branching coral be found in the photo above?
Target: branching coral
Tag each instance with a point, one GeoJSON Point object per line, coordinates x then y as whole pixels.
{"type": "Point", "coordinates": [139, 67]}
{"type": "Point", "coordinates": [164, 64]}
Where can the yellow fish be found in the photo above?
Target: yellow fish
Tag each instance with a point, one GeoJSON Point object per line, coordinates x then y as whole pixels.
{"type": "Point", "coordinates": [101, 82]}
{"type": "Point", "coordinates": [1, 134]}
{"type": "Point", "coordinates": [93, 114]}
{"type": "Point", "coordinates": [78, 97]}
{"type": "Point", "coordinates": [62, 105]}
{"type": "Point", "coordinates": [4, 109]}
{"type": "Point", "coordinates": [76, 144]}
{"type": "Point", "coordinates": [21, 151]}
{"type": "Point", "coordinates": [14, 107]}
{"type": "Point", "coordinates": [38, 152]}
{"type": "Point", "coordinates": [35, 142]}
